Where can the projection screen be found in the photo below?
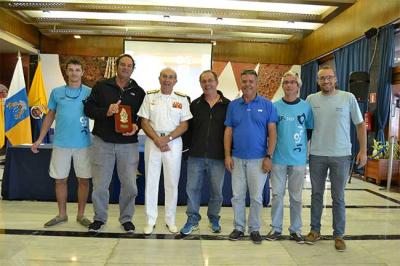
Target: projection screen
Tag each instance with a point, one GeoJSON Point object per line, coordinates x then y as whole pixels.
{"type": "Point", "coordinates": [187, 59]}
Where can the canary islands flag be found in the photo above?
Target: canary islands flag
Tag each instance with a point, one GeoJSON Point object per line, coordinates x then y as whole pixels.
{"type": "Point", "coordinates": [16, 111]}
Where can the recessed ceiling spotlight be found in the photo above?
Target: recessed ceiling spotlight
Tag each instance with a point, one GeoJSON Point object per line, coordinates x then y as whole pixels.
{"type": "Point", "coordinates": [77, 36]}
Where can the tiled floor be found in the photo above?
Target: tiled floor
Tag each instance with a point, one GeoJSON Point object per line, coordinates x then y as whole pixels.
{"type": "Point", "coordinates": [372, 232]}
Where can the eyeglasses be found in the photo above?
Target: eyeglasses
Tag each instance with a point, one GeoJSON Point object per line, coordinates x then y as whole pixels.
{"type": "Point", "coordinates": [168, 76]}
{"type": "Point", "coordinates": [286, 82]}
{"type": "Point", "coordinates": [327, 78]}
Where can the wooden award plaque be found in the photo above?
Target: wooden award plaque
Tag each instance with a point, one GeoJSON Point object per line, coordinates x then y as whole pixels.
{"type": "Point", "coordinates": [123, 119]}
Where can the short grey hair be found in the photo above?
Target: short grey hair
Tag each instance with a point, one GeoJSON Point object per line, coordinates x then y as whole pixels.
{"type": "Point", "coordinates": [3, 87]}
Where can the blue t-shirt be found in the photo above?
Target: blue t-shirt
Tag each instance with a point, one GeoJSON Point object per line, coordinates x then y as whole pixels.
{"type": "Point", "coordinates": [249, 123]}
{"type": "Point", "coordinates": [332, 117]}
{"type": "Point", "coordinates": [72, 126]}
{"type": "Point", "coordinates": [293, 122]}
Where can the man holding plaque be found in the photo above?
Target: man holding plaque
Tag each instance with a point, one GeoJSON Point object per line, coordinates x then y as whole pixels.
{"type": "Point", "coordinates": [113, 104]}
{"type": "Point", "coordinates": [164, 117]}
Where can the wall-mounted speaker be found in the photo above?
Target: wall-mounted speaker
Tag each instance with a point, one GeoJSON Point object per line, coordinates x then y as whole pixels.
{"type": "Point", "coordinates": [371, 33]}
{"type": "Point", "coordinates": [359, 85]}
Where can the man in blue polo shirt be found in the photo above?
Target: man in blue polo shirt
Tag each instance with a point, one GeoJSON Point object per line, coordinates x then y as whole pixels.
{"type": "Point", "coordinates": [249, 142]}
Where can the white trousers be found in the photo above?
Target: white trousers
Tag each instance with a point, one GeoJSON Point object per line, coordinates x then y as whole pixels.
{"type": "Point", "coordinates": [171, 162]}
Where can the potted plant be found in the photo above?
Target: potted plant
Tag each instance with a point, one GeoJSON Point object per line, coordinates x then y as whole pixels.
{"type": "Point", "coordinates": [377, 164]}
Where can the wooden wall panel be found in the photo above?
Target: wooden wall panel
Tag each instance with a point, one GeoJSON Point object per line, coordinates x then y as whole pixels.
{"type": "Point", "coordinates": [13, 25]}
{"type": "Point", "coordinates": [348, 26]}
{"type": "Point", "coordinates": [87, 46]}
{"type": "Point", "coordinates": [222, 51]}
{"type": "Point", "coordinates": [268, 53]}
{"type": "Point", "coordinates": [8, 62]}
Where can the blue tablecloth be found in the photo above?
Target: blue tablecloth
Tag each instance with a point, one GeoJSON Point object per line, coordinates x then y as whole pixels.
{"type": "Point", "coordinates": [26, 177]}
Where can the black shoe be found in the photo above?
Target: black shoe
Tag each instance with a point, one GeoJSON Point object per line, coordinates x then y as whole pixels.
{"type": "Point", "coordinates": [255, 237]}
{"type": "Point", "coordinates": [129, 227]}
{"type": "Point", "coordinates": [96, 226]}
{"type": "Point", "coordinates": [273, 235]}
{"type": "Point", "coordinates": [297, 237]}
{"type": "Point", "coordinates": [236, 235]}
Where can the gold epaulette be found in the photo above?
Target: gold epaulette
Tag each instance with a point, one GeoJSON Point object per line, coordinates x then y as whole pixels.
{"type": "Point", "coordinates": [180, 94]}
{"type": "Point", "coordinates": [153, 91]}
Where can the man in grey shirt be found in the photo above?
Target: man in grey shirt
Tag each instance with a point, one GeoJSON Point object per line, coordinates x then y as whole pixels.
{"type": "Point", "coordinates": [331, 149]}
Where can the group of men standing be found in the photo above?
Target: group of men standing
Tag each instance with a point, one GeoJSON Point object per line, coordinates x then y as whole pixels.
{"type": "Point", "coordinates": [250, 137]}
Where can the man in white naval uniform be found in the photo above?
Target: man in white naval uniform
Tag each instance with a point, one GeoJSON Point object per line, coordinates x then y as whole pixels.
{"type": "Point", "coordinates": [164, 118]}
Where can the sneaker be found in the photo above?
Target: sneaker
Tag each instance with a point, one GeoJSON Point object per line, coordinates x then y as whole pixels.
{"type": "Point", "coordinates": [188, 228]}
{"type": "Point", "coordinates": [128, 227]}
{"type": "Point", "coordinates": [255, 237]}
{"type": "Point", "coordinates": [340, 245]}
{"type": "Point", "coordinates": [236, 235]}
{"type": "Point", "coordinates": [297, 237]}
{"type": "Point", "coordinates": [172, 228]}
{"type": "Point", "coordinates": [83, 221]}
{"type": "Point", "coordinates": [312, 237]}
{"type": "Point", "coordinates": [148, 229]}
{"type": "Point", "coordinates": [56, 220]}
{"type": "Point", "coordinates": [273, 235]}
{"type": "Point", "coordinates": [215, 227]}
{"type": "Point", "coordinates": [96, 226]}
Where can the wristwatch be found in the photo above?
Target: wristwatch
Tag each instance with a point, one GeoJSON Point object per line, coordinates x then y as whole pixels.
{"type": "Point", "coordinates": [268, 156]}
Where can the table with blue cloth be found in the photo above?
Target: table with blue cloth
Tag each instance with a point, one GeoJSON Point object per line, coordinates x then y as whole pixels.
{"type": "Point", "coordinates": [26, 177]}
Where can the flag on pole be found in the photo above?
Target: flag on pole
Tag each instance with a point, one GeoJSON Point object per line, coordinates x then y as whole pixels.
{"type": "Point", "coordinates": [37, 98]}
{"type": "Point", "coordinates": [16, 114]}
{"type": "Point", "coordinates": [37, 101]}
{"type": "Point", "coordinates": [2, 132]}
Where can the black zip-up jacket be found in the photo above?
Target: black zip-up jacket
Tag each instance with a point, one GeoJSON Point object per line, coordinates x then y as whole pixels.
{"type": "Point", "coordinates": [107, 92]}
{"type": "Point", "coordinates": [206, 128]}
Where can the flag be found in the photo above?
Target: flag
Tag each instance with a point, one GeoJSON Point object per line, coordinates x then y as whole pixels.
{"type": "Point", "coordinates": [37, 101]}
{"type": "Point", "coordinates": [16, 113]}
{"type": "Point", "coordinates": [37, 98]}
{"type": "Point", "coordinates": [2, 132]}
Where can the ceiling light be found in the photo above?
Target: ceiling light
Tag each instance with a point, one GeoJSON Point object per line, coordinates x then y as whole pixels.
{"type": "Point", "coordinates": [77, 36]}
{"type": "Point", "coordinates": [176, 19]}
{"type": "Point", "coordinates": [254, 5]}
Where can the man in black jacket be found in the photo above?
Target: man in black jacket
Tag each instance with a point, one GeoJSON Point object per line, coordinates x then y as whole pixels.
{"type": "Point", "coordinates": [110, 147]}
{"type": "Point", "coordinates": [206, 153]}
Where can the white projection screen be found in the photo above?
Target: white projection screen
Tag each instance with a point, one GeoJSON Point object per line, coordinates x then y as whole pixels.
{"type": "Point", "coordinates": [187, 59]}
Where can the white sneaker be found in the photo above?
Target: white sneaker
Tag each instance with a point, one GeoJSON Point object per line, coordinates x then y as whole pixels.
{"type": "Point", "coordinates": [172, 228]}
{"type": "Point", "coordinates": [148, 229]}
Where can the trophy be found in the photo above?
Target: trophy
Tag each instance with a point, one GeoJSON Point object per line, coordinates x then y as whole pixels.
{"type": "Point", "coordinates": [123, 119]}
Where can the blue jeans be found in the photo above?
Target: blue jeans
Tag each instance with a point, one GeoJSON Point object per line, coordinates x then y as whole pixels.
{"type": "Point", "coordinates": [338, 175]}
{"type": "Point", "coordinates": [295, 177]}
{"type": "Point", "coordinates": [247, 174]}
{"type": "Point", "coordinates": [197, 170]}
